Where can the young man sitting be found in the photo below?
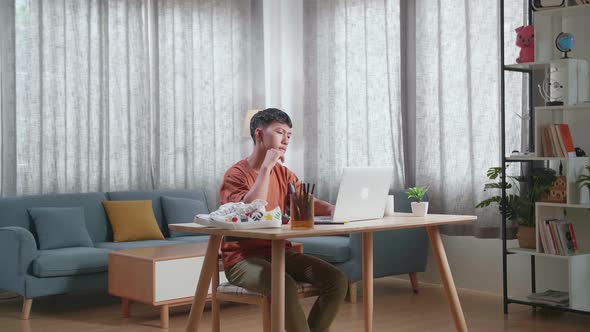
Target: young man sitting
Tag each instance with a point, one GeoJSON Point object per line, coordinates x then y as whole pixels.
{"type": "Point", "coordinates": [247, 261]}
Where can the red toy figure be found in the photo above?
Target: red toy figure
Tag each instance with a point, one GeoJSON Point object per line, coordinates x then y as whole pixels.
{"type": "Point", "coordinates": [525, 39]}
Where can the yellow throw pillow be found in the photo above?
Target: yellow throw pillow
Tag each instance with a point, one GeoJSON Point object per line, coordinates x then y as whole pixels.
{"type": "Point", "coordinates": [132, 220]}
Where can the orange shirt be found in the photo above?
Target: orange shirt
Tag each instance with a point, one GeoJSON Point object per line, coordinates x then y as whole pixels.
{"type": "Point", "coordinates": [237, 182]}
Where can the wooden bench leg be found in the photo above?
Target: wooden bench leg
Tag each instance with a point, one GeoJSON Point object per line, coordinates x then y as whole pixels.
{"type": "Point", "coordinates": [27, 304]}
{"type": "Point", "coordinates": [266, 315]}
{"type": "Point", "coordinates": [126, 308]}
{"type": "Point", "coordinates": [164, 314]}
{"type": "Point", "coordinates": [414, 281]}
{"type": "Point", "coordinates": [352, 292]}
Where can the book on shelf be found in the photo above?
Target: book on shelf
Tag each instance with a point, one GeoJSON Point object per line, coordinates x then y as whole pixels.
{"type": "Point", "coordinates": [560, 142]}
{"type": "Point", "coordinates": [568, 141]}
{"type": "Point", "coordinates": [566, 240]}
{"type": "Point", "coordinates": [557, 141]}
{"type": "Point", "coordinates": [546, 143]}
{"type": "Point", "coordinates": [551, 296]}
{"type": "Point", "coordinates": [562, 250]}
{"type": "Point", "coordinates": [554, 142]}
{"type": "Point", "coordinates": [543, 237]}
{"type": "Point", "coordinates": [558, 237]}
{"type": "Point", "coordinates": [573, 237]}
{"type": "Point", "coordinates": [550, 246]}
{"type": "Point", "coordinates": [553, 236]}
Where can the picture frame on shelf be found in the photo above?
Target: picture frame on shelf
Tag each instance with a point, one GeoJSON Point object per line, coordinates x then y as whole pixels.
{"type": "Point", "coordinates": [558, 191]}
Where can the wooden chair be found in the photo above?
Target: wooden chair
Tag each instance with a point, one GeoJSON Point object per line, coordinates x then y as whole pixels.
{"type": "Point", "coordinates": [231, 293]}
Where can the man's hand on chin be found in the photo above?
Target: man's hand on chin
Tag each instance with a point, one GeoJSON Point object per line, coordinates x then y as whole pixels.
{"type": "Point", "coordinates": [272, 157]}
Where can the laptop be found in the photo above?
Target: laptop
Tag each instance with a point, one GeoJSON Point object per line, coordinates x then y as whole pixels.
{"type": "Point", "coordinates": [362, 195]}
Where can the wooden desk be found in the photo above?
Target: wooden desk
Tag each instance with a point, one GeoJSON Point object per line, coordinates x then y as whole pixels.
{"type": "Point", "coordinates": [279, 235]}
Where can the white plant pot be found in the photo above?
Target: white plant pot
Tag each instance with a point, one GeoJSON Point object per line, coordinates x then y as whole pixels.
{"type": "Point", "coordinates": [419, 209]}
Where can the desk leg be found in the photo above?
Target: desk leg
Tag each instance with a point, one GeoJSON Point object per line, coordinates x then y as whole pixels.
{"type": "Point", "coordinates": [447, 278]}
{"type": "Point", "coordinates": [277, 302]}
{"type": "Point", "coordinates": [368, 280]}
{"type": "Point", "coordinates": [204, 281]}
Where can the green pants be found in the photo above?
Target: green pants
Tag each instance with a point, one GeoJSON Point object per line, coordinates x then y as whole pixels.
{"type": "Point", "coordinates": [254, 274]}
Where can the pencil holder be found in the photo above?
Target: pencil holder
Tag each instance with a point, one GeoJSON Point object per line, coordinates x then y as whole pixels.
{"type": "Point", "coordinates": [302, 211]}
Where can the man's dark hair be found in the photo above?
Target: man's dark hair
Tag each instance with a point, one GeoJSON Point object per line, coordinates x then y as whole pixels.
{"type": "Point", "coordinates": [265, 117]}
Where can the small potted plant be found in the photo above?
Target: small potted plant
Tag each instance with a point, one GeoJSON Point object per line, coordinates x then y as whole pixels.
{"type": "Point", "coordinates": [419, 208]}
{"type": "Point", "coordinates": [584, 181]}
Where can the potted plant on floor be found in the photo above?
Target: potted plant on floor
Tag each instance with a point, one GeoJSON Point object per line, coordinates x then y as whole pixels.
{"type": "Point", "coordinates": [584, 181]}
{"type": "Point", "coordinates": [419, 208]}
{"type": "Point", "coordinates": [524, 191]}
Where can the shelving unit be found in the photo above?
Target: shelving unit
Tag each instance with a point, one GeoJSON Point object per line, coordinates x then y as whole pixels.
{"type": "Point", "coordinates": [564, 108]}
{"type": "Point", "coordinates": [530, 65]}
{"type": "Point", "coordinates": [571, 9]}
{"type": "Point", "coordinates": [548, 23]}
{"type": "Point", "coordinates": [535, 158]}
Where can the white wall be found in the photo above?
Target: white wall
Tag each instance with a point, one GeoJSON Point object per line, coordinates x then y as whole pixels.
{"type": "Point", "coordinates": [476, 264]}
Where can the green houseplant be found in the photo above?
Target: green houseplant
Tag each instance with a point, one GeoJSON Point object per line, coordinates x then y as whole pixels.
{"type": "Point", "coordinates": [522, 193]}
{"type": "Point", "coordinates": [584, 181]}
{"type": "Point", "coordinates": [419, 208]}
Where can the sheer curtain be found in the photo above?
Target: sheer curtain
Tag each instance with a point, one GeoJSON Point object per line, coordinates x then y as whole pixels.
{"type": "Point", "coordinates": [205, 87]}
{"type": "Point", "coordinates": [352, 103]}
{"type": "Point", "coordinates": [114, 95]}
{"type": "Point", "coordinates": [457, 102]}
{"type": "Point", "coordinates": [360, 63]}
{"type": "Point", "coordinates": [7, 99]}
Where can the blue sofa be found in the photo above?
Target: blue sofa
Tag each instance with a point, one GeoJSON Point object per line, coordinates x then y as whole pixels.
{"type": "Point", "coordinates": [32, 272]}
{"type": "Point", "coordinates": [394, 252]}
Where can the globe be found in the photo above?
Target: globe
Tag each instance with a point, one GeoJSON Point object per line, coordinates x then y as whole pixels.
{"type": "Point", "coordinates": [564, 42]}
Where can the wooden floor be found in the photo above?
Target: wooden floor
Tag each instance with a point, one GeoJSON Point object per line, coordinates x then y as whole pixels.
{"type": "Point", "coordinates": [396, 309]}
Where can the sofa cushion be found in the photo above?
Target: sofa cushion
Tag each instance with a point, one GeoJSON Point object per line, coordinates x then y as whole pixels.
{"type": "Point", "coordinates": [60, 227]}
{"type": "Point", "coordinates": [70, 261]}
{"type": "Point", "coordinates": [13, 211]}
{"type": "Point", "coordinates": [332, 249]}
{"type": "Point", "coordinates": [154, 196]}
{"type": "Point", "coordinates": [192, 238]}
{"type": "Point", "coordinates": [178, 210]}
{"type": "Point", "coordinates": [136, 244]}
{"type": "Point", "coordinates": [132, 221]}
